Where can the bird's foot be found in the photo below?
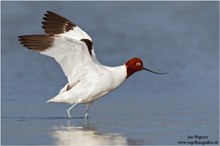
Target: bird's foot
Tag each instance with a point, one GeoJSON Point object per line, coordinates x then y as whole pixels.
{"type": "Point", "coordinates": [68, 113]}
{"type": "Point", "coordinates": [86, 116]}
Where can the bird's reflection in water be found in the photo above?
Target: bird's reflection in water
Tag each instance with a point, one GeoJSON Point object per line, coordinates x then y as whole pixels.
{"type": "Point", "coordinates": [85, 135]}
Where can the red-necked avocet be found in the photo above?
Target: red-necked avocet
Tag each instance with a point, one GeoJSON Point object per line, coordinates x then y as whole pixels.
{"type": "Point", "coordinates": [72, 48]}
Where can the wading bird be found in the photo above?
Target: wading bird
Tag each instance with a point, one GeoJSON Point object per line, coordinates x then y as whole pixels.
{"type": "Point", "coordinates": [72, 48]}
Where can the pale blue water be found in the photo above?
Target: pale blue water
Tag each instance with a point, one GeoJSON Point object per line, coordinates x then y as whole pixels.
{"type": "Point", "coordinates": [176, 37]}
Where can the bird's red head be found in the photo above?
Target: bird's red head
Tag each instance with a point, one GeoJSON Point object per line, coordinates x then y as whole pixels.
{"type": "Point", "coordinates": [136, 64]}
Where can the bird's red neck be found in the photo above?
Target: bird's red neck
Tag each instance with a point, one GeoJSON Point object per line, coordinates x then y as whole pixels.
{"type": "Point", "coordinates": [130, 71]}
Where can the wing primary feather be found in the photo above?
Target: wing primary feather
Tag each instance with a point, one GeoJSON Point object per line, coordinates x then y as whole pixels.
{"type": "Point", "coordinates": [56, 24]}
{"type": "Point", "coordinates": [36, 42]}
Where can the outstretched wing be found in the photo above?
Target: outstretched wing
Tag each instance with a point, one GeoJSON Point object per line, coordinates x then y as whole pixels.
{"type": "Point", "coordinates": [70, 46]}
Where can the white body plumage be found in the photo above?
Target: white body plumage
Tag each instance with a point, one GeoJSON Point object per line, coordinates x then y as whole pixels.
{"type": "Point", "coordinates": [91, 84]}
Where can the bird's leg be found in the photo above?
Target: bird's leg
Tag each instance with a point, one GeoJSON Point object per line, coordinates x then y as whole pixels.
{"type": "Point", "coordinates": [69, 110]}
{"type": "Point", "coordinates": [87, 111]}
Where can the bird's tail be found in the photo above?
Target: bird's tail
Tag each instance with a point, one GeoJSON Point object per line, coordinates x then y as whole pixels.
{"type": "Point", "coordinates": [51, 100]}
{"type": "Point", "coordinates": [58, 98]}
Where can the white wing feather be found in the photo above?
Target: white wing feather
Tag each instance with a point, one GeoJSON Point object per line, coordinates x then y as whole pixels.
{"type": "Point", "coordinates": [68, 49]}
{"type": "Point", "coordinates": [64, 41]}
{"type": "Point", "coordinates": [71, 54]}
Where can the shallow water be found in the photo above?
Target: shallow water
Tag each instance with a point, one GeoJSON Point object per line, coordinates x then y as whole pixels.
{"type": "Point", "coordinates": [176, 37]}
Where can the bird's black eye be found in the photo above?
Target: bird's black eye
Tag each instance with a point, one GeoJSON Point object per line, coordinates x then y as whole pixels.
{"type": "Point", "coordinates": [138, 64]}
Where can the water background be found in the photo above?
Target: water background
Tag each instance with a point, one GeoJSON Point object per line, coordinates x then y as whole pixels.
{"type": "Point", "coordinates": [176, 37]}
